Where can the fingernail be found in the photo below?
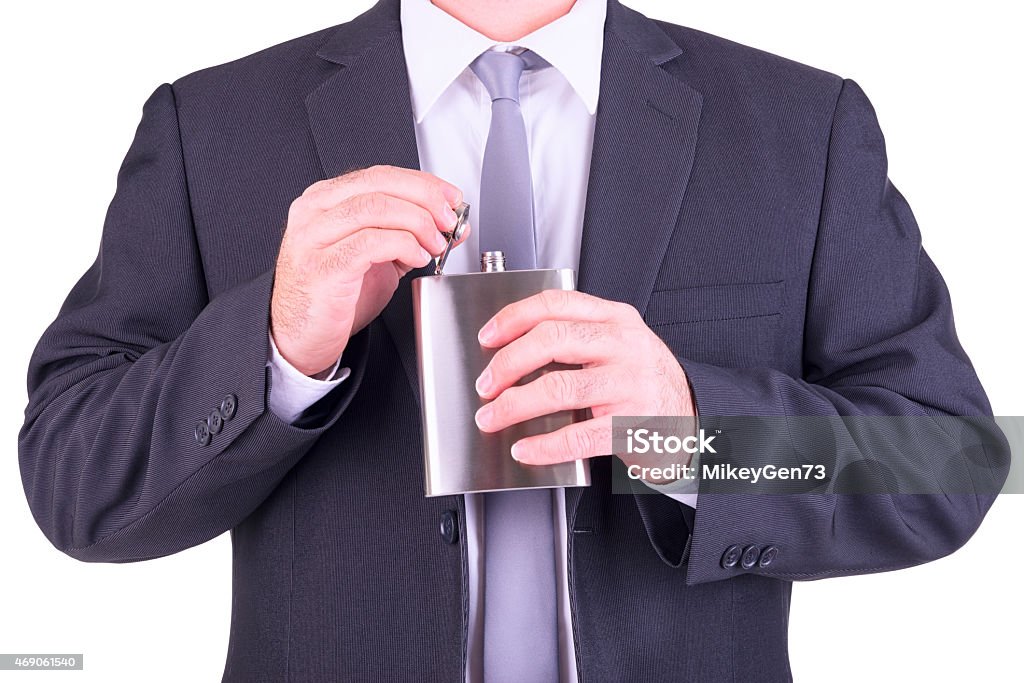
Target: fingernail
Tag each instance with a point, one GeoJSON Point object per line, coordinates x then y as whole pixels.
{"type": "Point", "coordinates": [449, 216]}
{"type": "Point", "coordinates": [488, 332]}
{"type": "Point", "coordinates": [483, 416]}
{"type": "Point", "coordinates": [483, 382]}
{"type": "Point", "coordinates": [440, 241]}
{"type": "Point", "coordinates": [516, 449]}
{"type": "Point", "coordinates": [425, 256]}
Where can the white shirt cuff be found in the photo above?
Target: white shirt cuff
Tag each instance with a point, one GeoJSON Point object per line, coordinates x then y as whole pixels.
{"type": "Point", "coordinates": [683, 490]}
{"type": "Point", "coordinates": [292, 392]}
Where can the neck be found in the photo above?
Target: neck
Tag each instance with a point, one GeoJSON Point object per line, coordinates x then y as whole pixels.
{"type": "Point", "coordinates": [505, 20]}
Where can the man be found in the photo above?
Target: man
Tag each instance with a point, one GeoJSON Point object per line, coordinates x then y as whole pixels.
{"type": "Point", "coordinates": [740, 252]}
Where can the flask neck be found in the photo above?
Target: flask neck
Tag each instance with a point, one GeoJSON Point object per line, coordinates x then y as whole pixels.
{"type": "Point", "coordinates": [492, 262]}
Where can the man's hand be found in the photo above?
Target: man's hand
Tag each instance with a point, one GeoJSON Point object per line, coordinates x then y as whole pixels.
{"type": "Point", "coordinates": [348, 242]}
{"type": "Point", "coordinates": [625, 370]}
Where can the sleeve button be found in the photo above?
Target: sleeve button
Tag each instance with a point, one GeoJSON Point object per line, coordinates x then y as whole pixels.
{"type": "Point", "coordinates": [229, 406]}
{"type": "Point", "coordinates": [750, 555]}
{"type": "Point", "coordinates": [731, 556]}
{"type": "Point", "coordinates": [216, 422]}
{"type": "Point", "coordinates": [768, 555]}
{"type": "Point", "coordinates": [203, 433]}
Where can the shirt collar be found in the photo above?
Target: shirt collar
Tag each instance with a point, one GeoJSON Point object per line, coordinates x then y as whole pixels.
{"type": "Point", "coordinates": [438, 47]}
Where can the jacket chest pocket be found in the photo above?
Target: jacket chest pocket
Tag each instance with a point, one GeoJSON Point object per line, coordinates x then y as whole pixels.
{"type": "Point", "coordinates": [733, 325]}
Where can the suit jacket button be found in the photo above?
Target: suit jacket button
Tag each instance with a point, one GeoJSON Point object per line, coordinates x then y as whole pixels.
{"type": "Point", "coordinates": [450, 527]}
{"type": "Point", "coordinates": [203, 433]}
{"type": "Point", "coordinates": [750, 555]}
{"type": "Point", "coordinates": [768, 555]}
{"type": "Point", "coordinates": [216, 422]}
{"type": "Point", "coordinates": [731, 556]}
{"type": "Point", "coordinates": [229, 406]}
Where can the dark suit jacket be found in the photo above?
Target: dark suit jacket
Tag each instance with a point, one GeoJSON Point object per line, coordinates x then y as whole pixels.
{"type": "Point", "coordinates": [763, 243]}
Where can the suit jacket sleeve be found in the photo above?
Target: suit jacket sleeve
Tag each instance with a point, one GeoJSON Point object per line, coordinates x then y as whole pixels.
{"type": "Point", "coordinates": [879, 341]}
{"type": "Point", "coordinates": [138, 356]}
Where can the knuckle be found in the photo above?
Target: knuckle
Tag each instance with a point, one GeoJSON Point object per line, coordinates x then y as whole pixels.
{"type": "Point", "coordinates": [295, 211]}
{"type": "Point", "coordinates": [627, 311]}
{"type": "Point", "coordinates": [350, 249]}
{"type": "Point", "coordinates": [441, 210]}
{"type": "Point", "coordinates": [553, 332]}
{"type": "Point", "coordinates": [345, 212]}
{"type": "Point", "coordinates": [376, 174]}
{"type": "Point", "coordinates": [338, 258]}
{"type": "Point", "coordinates": [589, 386]}
{"type": "Point", "coordinates": [437, 189]}
{"type": "Point", "coordinates": [562, 387]}
{"type": "Point", "coordinates": [618, 341]}
{"type": "Point", "coordinates": [505, 405]}
{"type": "Point", "coordinates": [315, 187]}
{"type": "Point", "coordinates": [580, 441]}
{"type": "Point", "coordinates": [360, 243]}
{"type": "Point", "coordinates": [554, 300]}
{"type": "Point", "coordinates": [408, 242]}
{"type": "Point", "coordinates": [371, 204]}
{"type": "Point", "coordinates": [503, 361]}
{"type": "Point", "coordinates": [619, 380]}
{"type": "Point", "coordinates": [425, 222]}
{"type": "Point", "coordinates": [366, 240]}
{"type": "Point", "coordinates": [650, 341]}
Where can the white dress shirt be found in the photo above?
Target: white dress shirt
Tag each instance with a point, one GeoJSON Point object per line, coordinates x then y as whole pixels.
{"type": "Point", "coordinates": [452, 112]}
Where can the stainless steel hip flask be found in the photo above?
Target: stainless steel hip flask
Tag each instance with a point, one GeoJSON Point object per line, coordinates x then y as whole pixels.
{"type": "Point", "coordinates": [448, 312]}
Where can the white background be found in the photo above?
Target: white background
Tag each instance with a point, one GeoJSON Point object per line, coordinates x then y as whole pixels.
{"type": "Point", "coordinates": [945, 79]}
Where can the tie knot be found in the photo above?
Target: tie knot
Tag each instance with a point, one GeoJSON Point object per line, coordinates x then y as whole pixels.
{"type": "Point", "coordinates": [500, 72]}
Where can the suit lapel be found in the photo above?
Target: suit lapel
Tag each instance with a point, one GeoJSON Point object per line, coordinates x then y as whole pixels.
{"type": "Point", "coordinates": [361, 115]}
{"type": "Point", "coordinates": [643, 150]}
{"type": "Point", "coordinates": [644, 140]}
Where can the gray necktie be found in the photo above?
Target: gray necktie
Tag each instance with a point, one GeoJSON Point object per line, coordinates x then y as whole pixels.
{"type": "Point", "coordinates": [506, 189]}
{"type": "Point", "coordinates": [520, 599]}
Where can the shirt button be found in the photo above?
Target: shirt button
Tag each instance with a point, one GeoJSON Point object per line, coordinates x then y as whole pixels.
{"type": "Point", "coordinates": [203, 433]}
{"type": "Point", "coordinates": [768, 555]}
{"type": "Point", "coordinates": [229, 406]}
{"type": "Point", "coordinates": [731, 556]}
{"type": "Point", "coordinates": [216, 422]}
{"type": "Point", "coordinates": [750, 555]}
{"type": "Point", "coordinates": [450, 527]}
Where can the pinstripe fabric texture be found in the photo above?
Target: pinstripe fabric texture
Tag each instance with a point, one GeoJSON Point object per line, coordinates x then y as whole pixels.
{"type": "Point", "coordinates": [767, 248]}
